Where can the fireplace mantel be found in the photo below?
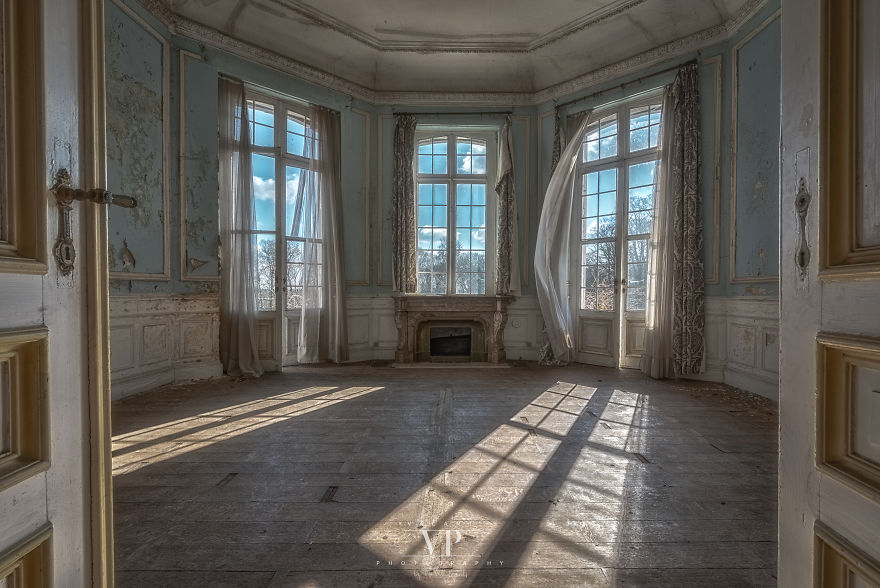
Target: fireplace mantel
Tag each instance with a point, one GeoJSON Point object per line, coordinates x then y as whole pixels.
{"type": "Point", "coordinates": [411, 310]}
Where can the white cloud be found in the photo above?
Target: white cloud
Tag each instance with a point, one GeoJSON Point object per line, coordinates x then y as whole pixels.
{"type": "Point", "coordinates": [264, 189]}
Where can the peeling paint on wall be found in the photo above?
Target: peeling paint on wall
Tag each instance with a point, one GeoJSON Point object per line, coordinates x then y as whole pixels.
{"type": "Point", "coordinates": [757, 154]}
{"type": "Point", "coordinates": [135, 138]}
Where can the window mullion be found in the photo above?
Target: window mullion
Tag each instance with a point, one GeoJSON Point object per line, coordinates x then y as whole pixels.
{"type": "Point", "coordinates": [450, 236]}
{"type": "Point", "coordinates": [280, 212]}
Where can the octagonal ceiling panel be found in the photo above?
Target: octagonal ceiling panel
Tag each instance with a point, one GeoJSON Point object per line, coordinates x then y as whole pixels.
{"type": "Point", "coordinates": [461, 46]}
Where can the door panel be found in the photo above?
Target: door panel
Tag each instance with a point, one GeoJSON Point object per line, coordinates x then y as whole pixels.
{"type": "Point", "coordinates": [829, 505]}
{"type": "Point", "coordinates": [54, 528]}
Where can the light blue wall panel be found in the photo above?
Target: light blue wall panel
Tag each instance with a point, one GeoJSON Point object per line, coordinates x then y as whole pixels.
{"type": "Point", "coordinates": [200, 166]}
{"type": "Point", "coordinates": [756, 175]}
{"type": "Point", "coordinates": [136, 136]}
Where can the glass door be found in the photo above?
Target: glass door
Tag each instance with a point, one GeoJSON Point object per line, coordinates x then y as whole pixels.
{"type": "Point", "coordinates": [615, 180]}
{"type": "Point", "coordinates": [285, 256]}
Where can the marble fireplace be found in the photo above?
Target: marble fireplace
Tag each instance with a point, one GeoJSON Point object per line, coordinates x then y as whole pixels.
{"type": "Point", "coordinates": [423, 321]}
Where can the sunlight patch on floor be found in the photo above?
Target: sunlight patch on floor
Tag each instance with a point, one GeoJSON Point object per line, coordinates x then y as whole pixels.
{"type": "Point", "coordinates": [468, 505]}
{"type": "Point", "coordinates": [156, 443]}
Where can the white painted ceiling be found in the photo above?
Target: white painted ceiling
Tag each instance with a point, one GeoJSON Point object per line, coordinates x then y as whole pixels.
{"type": "Point", "coordinates": [464, 46]}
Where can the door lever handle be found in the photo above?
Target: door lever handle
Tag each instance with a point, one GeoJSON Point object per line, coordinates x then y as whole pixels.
{"type": "Point", "coordinates": [96, 195]}
{"type": "Point", "coordinates": [65, 194]}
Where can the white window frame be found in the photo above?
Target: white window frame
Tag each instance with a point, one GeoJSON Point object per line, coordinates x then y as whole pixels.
{"type": "Point", "coordinates": [283, 159]}
{"type": "Point", "coordinates": [452, 179]}
{"type": "Point", "coordinates": [621, 162]}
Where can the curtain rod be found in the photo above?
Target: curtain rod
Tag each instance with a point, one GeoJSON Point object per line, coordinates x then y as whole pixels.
{"type": "Point", "coordinates": [483, 113]}
{"type": "Point", "coordinates": [625, 84]}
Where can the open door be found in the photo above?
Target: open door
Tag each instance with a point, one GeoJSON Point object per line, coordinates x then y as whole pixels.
{"type": "Point", "coordinates": [829, 468]}
{"type": "Point", "coordinates": [55, 505]}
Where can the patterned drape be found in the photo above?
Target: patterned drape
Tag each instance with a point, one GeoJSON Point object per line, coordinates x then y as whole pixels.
{"type": "Point", "coordinates": [507, 274]}
{"type": "Point", "coordinates": [674, 338]}
{"type": "Point", "coordinates": [403, 222]}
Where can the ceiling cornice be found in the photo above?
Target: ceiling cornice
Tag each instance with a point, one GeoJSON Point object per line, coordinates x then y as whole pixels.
{"type": "Point", "coordinates": [471, 46]}
{"type": "Point", "coordinates": [210, 36]}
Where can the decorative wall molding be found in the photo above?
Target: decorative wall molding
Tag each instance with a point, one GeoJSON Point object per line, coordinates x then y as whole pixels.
{"type": "Point", "coordinates": [166, 149]}
{"type": "Point", "coordinates": [734, 68]}
{"type": "Point", "coordinates": [715, 278]}
{"type": "Point", "coordinates": [525, 218]}
{"type": "Point", "coordinates": [365, 280]}
{"type": "Point", "coordinates": [372, 333]}
{"type": "Point", "coordinates": [181, 158]}
{"type": "Point", "coordinates": [215, 38]}
{"type": "Point", "coordinates": [380, 212]}
{"type": "Point", "coordinates": [157, 340]}
{"type": "Point", "coordinates": [742, 343]}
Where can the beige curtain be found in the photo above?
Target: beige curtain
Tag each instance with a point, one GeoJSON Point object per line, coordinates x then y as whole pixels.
{"type": "Point", "coordinates": [507, 272]}
{"type": "Point", "coordinates": [317, 219]}
{"type": "Point", "coordinates": [238, 302]}
{"type": "Point", "coordinates": [403, 221]}
{"type": "Point", "coordinates": [675, 318]}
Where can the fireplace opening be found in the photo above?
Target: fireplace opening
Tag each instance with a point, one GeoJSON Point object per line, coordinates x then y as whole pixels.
{"type": "Point", "coordinates": [450, 341]}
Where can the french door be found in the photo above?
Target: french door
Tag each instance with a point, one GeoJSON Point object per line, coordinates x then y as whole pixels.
{"type": "Point", "coordinates": [614, 209]}
{"type": "Point", "coordinates": [286, 253]}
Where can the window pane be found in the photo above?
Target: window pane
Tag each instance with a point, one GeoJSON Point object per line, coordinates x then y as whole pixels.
{"type": "Point", "coordinates": [608, 180]}
{"type": "Point", "coordinates": [639, 139]}
{"type": "Point", "coordinates": [425, 194]}
{"type": "Point", "coordinates": [605, 253]}
{"type": "Point", "coordinates": [588, 253]}
{"type": "Point", "coordinates": [470, 156]}
{"type": "Point", "coordinates": [642, 174]}
{"type": "Point", "coordinates": [478, 193]}
{"type": "Point", "coordinates": [262, 123]}
{"type": "Point", "coordinates": [644, 124]}
{"type": "Point", "coordinates": [264, 191]}
{"type": "Point", "coordinates": [296, 133]}
{"type": "Point", "coordinates": [265, 274]}
{"type": "Point", "coordinates": [637, 251]}
{"type": "Point", "coordinates": [295, 274]}
{"type": "Point", "coordinates": [462, 216]}
{"type": "Point", "coordinates": [636, 274]}
{"type": "Point", "coordinates": [597, 276]}
{"type": "Point", "coordinates": [293, 177]}
{"type": "Point", "coordinates": [432, 158]}
{"type": "Point", "coordinates": [640, 222]}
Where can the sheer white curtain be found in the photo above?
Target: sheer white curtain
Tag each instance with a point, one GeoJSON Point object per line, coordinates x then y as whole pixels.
{"type": "Point", "coordinates": [238, 301]}
{"type": "Point", "coordinates": [675, 318]}
{"type": "Point", "coordinates": [553, 246]}
{"type": "Point", "coordinates": [657, 358]}
{"type": "Point", "coordinates": [317, 219]}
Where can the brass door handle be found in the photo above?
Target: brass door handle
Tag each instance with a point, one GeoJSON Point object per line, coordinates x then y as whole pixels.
{"type": "Point", "coordinates": [96, 195]}
{"type": "Point", "coordinates": [65, 194]}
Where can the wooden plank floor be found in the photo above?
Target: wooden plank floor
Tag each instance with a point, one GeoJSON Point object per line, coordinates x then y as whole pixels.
{"type": "Point", "coordinates": [374, 476]}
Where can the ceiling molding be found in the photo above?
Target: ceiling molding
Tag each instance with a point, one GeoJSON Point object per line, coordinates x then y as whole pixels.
{"type": "Point", "coordinates": [210, 36]}
{"type": "Point", "coordinates": [323, 19]}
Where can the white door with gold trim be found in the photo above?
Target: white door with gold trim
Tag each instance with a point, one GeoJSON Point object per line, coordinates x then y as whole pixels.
{"type": "Point", "coordinates": [829, 466]}
{"type": "Point", "coordinates": [54, 485]}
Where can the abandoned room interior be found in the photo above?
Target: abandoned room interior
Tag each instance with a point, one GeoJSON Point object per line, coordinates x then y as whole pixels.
{"type": "Point", "coordinates": [309, 294]}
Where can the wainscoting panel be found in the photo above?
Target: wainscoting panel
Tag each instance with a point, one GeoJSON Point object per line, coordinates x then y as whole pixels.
{"type": "Point", "coordinates": [742, 343]}
{"type": "Point", "coordinates": [157, 340]}
{"type": "Point", "coordinates": [372, 334]}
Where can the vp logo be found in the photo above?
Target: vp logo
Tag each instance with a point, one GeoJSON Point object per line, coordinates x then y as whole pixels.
{"type": "Point", "coordinates": [446, 534]}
